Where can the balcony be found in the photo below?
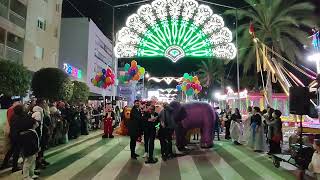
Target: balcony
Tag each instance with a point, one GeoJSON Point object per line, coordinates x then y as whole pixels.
{"type": "Point", "coordinates": [3, 10]}
{"type": "Point", "coordinates": [11, 54]}
{"type": "Point", "coordinates": [2, 50]}
{"type": "Point", "coordinates": [17, 19]}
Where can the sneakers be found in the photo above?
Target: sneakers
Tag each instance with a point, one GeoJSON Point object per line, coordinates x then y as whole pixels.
{"type": "Point", "coordinates": [46, 163]}
{"type": "Point", "coordinates": [36, 172]}
{"type": "Point", "coordinates": [134, 156]}
{"type": "Point", "coordinates": [35, 177]}
{"type": "Point", "coordinates": [151, 161]}
{"type": "Point", "coordinates": [145, 155]}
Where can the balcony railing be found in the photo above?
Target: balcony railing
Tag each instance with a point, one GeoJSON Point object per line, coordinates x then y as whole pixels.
{"type": "Point", "coordinates": [3, 11]}
{"type": "Point", "coordinates": [2, 50]}
{"type": "Point", "coordinates": [11, 54]}
{"type": "Point", "coordinates": [17, 19]}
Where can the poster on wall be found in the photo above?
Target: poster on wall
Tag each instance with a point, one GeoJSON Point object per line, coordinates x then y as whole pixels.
{"type": "Point", "coordinates": [99, 57]}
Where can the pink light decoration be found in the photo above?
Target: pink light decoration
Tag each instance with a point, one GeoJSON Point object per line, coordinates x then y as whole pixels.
{"type": "Point", "coordinates": [310, 71]}
{"type": "Point", "coordinates": [74, 72]}
{"type": "Point", "coordinates": [297, 79]}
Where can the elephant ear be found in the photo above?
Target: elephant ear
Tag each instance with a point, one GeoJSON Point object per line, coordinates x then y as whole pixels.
{"type": "Point", "coordinates": [182, 114]}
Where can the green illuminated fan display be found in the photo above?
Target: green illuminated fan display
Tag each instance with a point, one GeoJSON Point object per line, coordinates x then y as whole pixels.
{"type": "Point", "coordinates": [175, 29]}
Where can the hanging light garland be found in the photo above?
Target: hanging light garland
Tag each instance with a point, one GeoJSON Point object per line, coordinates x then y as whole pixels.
{"type": "Point", "coordinates": [175, 29]}
{"type": "Point", "coordinates": [168, 80]}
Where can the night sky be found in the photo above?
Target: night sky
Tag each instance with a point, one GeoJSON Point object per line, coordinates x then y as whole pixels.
{"type": "Point", "coordinates": [102, 16]}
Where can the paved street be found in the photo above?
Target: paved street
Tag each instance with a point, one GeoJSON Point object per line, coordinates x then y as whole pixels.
{"type": "Point", "coordinates": [94, 158]}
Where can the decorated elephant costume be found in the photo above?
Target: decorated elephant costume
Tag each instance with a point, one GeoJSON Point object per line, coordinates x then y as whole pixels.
{"type": "Point", "coordinates": [193, 115]}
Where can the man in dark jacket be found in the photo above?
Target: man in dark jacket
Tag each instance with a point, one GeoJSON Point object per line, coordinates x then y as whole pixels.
{"type": "Point", "coordinates": [152, 121]}
{"type": "Point", "coordinates": [134, 127]}
{"type": "Point", "coordinates": [19, 123]}
{"type": "Point", "coordinates": [166, 131]}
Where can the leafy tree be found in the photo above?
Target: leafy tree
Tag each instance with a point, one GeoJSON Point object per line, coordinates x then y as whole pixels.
{"type": "Point", "coordinates": [52, 84]}
{"type": "Point", "coordinates": [14, 79]}
{"type": "Point", "coordinates": [80, 92]}
{"type": "Point", "coordinates": [210, 72]}
{"type": "Point", "coordinates": [277, 23]}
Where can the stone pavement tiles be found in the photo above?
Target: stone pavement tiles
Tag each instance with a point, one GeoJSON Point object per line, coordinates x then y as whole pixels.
{"type": "Point", "coordinates": [99, 159]}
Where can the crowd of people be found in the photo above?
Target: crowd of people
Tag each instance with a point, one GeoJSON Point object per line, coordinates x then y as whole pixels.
{"type": "Point", "coordinates": [34, 127]}
{"type": "Point", "coordinates": [257, 130]}
{"type": "Point", "coordinates": [144, 120]}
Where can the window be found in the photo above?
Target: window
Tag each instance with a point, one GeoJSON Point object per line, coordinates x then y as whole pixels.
{"type": "Point", "coordinates": [56, 32]}
{"type": "Point", "coordinates": [58, 7]}
{"type": "Point", "coordinates": [39, 52]}
{"type": "Point", "coordinates": [41, 23]}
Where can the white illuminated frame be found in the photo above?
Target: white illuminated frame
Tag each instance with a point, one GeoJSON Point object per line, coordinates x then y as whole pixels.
{"type": "Point", "coordinates": [148, 15]}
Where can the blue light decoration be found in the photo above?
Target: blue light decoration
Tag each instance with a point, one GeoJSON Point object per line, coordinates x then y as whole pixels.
{"type": "Point", "coordinates": [316, 40]}
{"type": "Point", "coordinates": [72, 71]}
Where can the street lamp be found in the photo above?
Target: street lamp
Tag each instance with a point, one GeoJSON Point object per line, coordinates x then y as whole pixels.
{"type": "Point", "coordinates": [315, 57]}
{"type": "Point", "coordinates": [147, 75]}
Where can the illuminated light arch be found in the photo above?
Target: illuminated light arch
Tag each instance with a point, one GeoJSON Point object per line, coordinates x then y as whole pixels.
{"type": "Point", "coordinates": [175, 29]}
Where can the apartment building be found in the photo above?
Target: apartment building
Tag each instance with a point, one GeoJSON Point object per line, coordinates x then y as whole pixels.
{"type": "Point", "coordinates": [30, 32]}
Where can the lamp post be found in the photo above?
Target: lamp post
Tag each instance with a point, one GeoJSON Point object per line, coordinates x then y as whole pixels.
{"type": "Point", "coordinates": [146, 76]}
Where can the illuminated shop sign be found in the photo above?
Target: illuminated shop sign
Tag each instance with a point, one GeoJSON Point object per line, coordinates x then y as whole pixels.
{"type": "Point", "coordinates": [72, 71]}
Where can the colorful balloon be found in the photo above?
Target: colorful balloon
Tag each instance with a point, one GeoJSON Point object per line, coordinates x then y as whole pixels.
{"type": "Point", "coordinates": [189, 86]}
{"type": "Point", "coordinates": [142, 71]}
{"type": "Point", "coordinates": [186, 75]}
{"type": "Point", "coordinates": [178, 87]}
{"type": "Point", "coordinates": [126, 67]}
{"type": "Point", "coordinates": [134, 63]}
{"type": "Point", "coordinates": [194, 79]}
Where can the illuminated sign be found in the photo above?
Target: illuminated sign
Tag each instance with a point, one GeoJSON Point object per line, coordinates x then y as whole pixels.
{"type": "Point", "coordinates": [72, 71]}
{"type": "Point", "coordinates": [316, 40]}
{"type": "Point", "coordinates": [175, 29]}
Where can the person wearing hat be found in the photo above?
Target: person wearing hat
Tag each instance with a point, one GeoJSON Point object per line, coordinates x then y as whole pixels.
{"type": "Point", "coordinates": [314, 165]}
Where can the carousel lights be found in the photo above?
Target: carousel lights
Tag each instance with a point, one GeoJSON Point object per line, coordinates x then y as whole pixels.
{"type": "Point", "coordinates": [175, 29]}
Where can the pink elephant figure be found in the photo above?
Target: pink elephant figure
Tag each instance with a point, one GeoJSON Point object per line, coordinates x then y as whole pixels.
{"type": "Point", "coordinates": [193, 115]}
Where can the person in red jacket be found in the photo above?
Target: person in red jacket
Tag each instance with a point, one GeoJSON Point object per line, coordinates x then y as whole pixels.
{"type": "Point", "coordinates": [108, 123]}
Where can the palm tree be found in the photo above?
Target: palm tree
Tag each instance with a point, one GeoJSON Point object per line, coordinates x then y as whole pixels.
{"type": "Point", "coordinates": [278, 23]}
{"type": "Point", "coordinates": [210, 72]}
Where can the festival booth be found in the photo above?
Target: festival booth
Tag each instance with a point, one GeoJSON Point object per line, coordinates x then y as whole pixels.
{"type": "Point", "coordinates": [256, 99]}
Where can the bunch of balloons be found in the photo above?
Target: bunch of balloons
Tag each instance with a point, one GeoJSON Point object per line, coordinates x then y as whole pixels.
{"type": "Point", "coordinates": [190, 85]}
{"type": "Point", "coordinates": [132, 73]}
{"type": "Point", "coordinates": [104, 78]}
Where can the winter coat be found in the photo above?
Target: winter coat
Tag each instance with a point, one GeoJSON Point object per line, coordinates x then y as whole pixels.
{"type": "Point", "coordinates": [134, 125]}
{"type": "Point", "coordinates": [38, 114]}
{"type": "Point", "coordinates": [274, 128]}
{"type": "Point", "coordinates": [166, 117]}
{"type": "Point", "coordinates": [18, 124]}
{"type": "Point", "coordinates": [30, 142]}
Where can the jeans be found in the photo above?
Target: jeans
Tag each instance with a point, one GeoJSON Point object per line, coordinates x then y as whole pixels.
{"type": "Point", "coordinates": [149, 137]}
{"type": "Point", "coordinates": [166, 141]}
{"type": "Point", "coordinates": [28, 167]}
{"type": "Point", "coordinates": [133, 141]}
{"type": "Point", "coordinates": [14, 151]}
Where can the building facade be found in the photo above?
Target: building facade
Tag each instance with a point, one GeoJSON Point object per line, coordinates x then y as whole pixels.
{"type": "Point", "coordinates": [30, 32]}
{"type": "Point", "coordinates": [85, 51]}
